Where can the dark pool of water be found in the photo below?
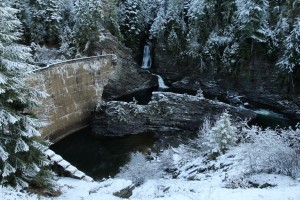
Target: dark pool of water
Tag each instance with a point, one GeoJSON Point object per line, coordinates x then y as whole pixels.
{"type": "Point", "coordinates": [101, 157]}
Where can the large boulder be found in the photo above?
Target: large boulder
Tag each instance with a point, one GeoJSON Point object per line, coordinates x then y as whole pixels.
{"type": "Point", "coordinates": [166, 112]}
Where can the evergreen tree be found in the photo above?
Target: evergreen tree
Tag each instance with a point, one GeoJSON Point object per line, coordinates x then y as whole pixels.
{"type": "Point", "coordinates": [88, 23]}
{"type": "Point", "coordinates": [252, 19]}
{"type": "Point", "coordinates": [222, 135]}
{"type": "Point", "coordinates": [66, 32]}
{"type": "Point", "coordinates": [41, 19]}
{"type": "Point", "coordinates": [22, 161]}
{"type": "Point", "coordinates": [110, 20]}
{"type": "Point", "coordinates": [249, 33]}
{"type": "Point", "coordinates": [132, 23]}
{"type": "Point", "coordinates": [289, 60]}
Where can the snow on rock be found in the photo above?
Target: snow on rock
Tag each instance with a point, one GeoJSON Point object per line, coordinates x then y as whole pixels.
{"type": "Point", "coordinates": [50, 153]}
{"type": "Point", "coordinates": [79, 174]}
{"type": "Point", "coordinates": [56, 158]}
{"type": "Point", "coordinates": [71, 169]}
{"type": "Point", "coordinates": [64, 164]}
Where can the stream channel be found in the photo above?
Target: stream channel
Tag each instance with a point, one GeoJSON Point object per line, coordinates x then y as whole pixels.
{"type": "Point", "coordinates": [102, 157]}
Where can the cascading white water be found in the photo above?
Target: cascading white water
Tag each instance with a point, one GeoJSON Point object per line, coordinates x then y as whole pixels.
{"type": "Point", "coordinates": [146, 58]}
{"type": "Point", "coordinates": [161, 83]}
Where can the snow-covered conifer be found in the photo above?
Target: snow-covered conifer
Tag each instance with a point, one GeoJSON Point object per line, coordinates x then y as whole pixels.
{"type": "Point", "coordinates": [289, 60]}
{"type": "Point", "coordinates": [132, 22]}
{"type": "Point", "coordinates": [222, 135]}
{"type": "Point", "coordinates": [41, 20]}
{"type": "Point", "coordinates": [252, 19]}
{"type": "Point", "coordinates": [88, 23]}
{"type": "Point", "coordinates": [22, 162]}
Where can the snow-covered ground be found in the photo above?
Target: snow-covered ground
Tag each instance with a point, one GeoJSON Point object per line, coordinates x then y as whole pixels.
{"type": "Point", "coordinates": [174, 189]}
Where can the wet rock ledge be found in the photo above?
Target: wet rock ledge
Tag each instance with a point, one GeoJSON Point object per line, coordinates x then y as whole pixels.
{"type": "Point", "coordinates": [166, 112]}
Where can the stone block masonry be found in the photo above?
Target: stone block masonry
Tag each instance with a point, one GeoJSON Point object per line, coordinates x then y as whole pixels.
{"type": "Point", "coordinates": [73, 88]}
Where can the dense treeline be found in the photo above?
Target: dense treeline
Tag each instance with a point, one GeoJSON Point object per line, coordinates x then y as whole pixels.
{"type": "Point", "coordinates": [224, 35]}
{"type": "Point", "coordinates": [220, 34]}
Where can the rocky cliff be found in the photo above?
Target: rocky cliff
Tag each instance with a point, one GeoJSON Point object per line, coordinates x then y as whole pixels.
{"type": "Point", "coordinates": [166, 112]}
{"type": "Point", "coordinates": [128, 77]}
{"type": "Point", "coordinates": [260, 83]}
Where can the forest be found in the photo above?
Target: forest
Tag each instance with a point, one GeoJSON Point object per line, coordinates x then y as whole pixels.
{"type": "Point", "coordinates": [219, 37]}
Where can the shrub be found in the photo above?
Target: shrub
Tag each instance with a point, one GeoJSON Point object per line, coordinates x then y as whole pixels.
{"type": "Point", "coordinates": [269, 152]}
{"type": "Point", "coordinates": [138, 170]}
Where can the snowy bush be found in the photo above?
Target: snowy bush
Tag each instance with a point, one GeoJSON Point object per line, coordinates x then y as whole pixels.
{"type": "Point", "coordinates": [139, 169]}
{"type": "Point", "coordinates": [269, 152]}
{"type": "Point", "coordinates": [221, 136]}
{"type": "Point", "coordinates": [292, 137]}
{"type": "Point", "coordinates": [237, 182]}
{"type": "Point", "coordinates": [166, 160]}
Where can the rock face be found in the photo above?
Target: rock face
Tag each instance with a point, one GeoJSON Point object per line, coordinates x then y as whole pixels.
{"type": "Point", "coordinates": [260, 83]}
{"type": "Point", "coordinates": [128, 77]}
{"type": "Point", "coordinates": [165, 112]}
{"type": "Point", "coordinates": [285, 104]}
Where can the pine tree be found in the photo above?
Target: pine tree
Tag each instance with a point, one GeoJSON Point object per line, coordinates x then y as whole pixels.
{"type": "Point", "coordinates": [22, 162]}
{"type": "Point", "coordinates": [249, 32]}
{"type": "Point", "coordinates": [88, 23]}
{"type": "Point", "coordinates": [289, 60]}
{"type": "Point", "coordinates": [132, 23]}
{"type": "Point", "coordinates": [66, 32]}
{"type": "Point", "coordinates": [41, 19]}
{"type": "Point", "coordinates": [252, 19]}
{"type": "Point", "coordinates": [110, 20]}
{"type": "Point", "coordinates": [222, 135]}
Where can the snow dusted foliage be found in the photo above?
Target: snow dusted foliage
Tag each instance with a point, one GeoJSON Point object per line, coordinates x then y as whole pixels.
{"type": "Point", "coordinates": [139, 169]}
{"type": "Point", "coordinates": [22, 161]}
{"type": "Point", "coordinates": [268, 151]}
{"type": "Point", "coordinates": [159, 24]}
{"type": "Point", "coordinates": [221, 136]}
{"type": "Point", "coordinates": [66, 33]}
{"type": "Point", "coordinates": [196, 9]}
{"type": "Point", "coordinates": [110, 19]}
{"type": "Point", "coordinates": [194, 48]}
{"type": "Point", "coordinates": [289, 59]}
{"type": "Point", "coordinates": [214, 44]}
{"type": "Point", "coordinates": [88, 23]}
{"type": "Point", "coordinates": [132, 22]}
{"type": "Point", "coordinates": [41, 19]}
{"type": "Point", "coordinates": [169, 18]}
{"type": "Point", "coordinates": [252, 19]}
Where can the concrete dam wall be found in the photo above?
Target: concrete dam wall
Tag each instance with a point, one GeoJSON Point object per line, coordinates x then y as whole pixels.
{"type": "Point", "coordinates": [73, 88]}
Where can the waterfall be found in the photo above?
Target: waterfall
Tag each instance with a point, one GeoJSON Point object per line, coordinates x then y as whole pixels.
{"type": "Point", "coordinates": [161, 83]}
{"type": "Point", "coordinates": [146, 58]}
